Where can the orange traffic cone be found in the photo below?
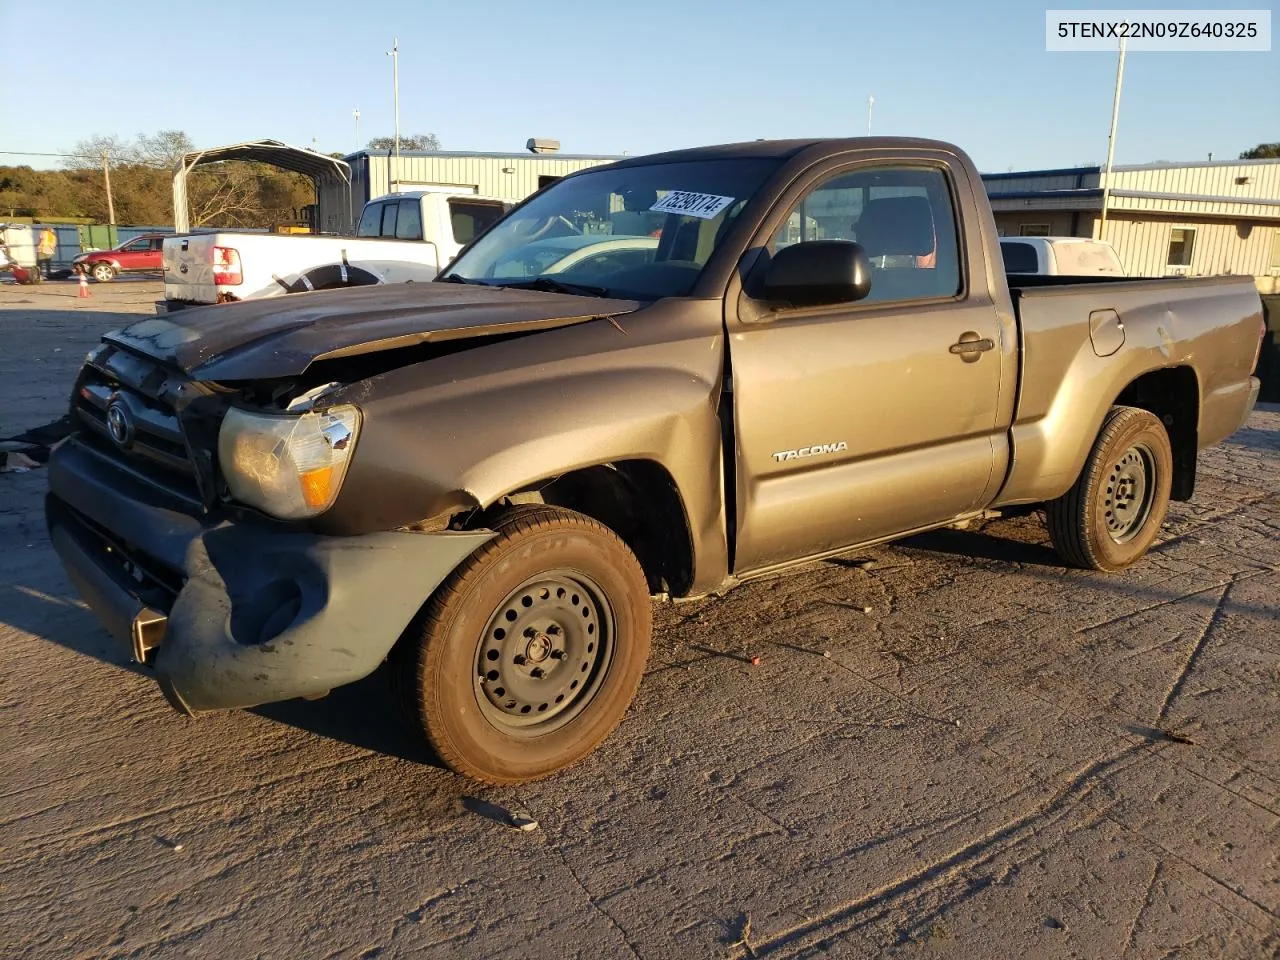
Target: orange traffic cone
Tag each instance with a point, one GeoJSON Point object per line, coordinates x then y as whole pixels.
{"type": "Point", "coordinates": [84, 287]}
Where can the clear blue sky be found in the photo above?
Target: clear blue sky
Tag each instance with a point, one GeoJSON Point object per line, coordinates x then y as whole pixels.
{"type": "Point", "coordinates": [617, 75]}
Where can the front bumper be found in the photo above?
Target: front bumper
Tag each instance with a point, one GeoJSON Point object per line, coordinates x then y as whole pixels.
{"type": "Point", "coordinates": [255, 614]}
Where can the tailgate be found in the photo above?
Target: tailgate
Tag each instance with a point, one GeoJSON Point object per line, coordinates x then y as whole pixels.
{"type": "Point", "coordinates": [188, 268]}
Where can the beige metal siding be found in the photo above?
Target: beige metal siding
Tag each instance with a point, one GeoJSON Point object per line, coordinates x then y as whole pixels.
{"type": "Point", "coordinates": [1216, 180]}
{"type": "Point", "coordinates": [1220, 248]}
{"type": "Point", "coordinates": [485, 174]}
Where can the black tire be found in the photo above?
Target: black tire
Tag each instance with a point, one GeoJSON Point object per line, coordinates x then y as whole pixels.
{"type": "Point", "coordinates": [1111, 515]}
{"type": "Point", "coordinates": [529, 654]}
{"type": "Point", "coordinates": [102, 272]}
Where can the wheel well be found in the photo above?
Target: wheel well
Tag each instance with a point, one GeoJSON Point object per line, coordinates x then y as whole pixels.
{"type": "Point", "coordinates": [1173, 395]}
{"type": "Point", "coordinates": [636, 499]}
{"type": "Point", "coordinates": [331, 277]}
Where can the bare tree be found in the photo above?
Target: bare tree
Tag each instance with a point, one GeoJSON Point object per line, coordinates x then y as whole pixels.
{"type": "Point", "coordinates": [224, 194]}
{"type": "Point", "coordinates": [88, 153]}
{"type": "Point", "coordinates": [163, 149]}
{"type": "Point", "coordinates": [420, 141]}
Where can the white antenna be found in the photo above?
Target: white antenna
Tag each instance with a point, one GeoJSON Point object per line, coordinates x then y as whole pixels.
{"type": "Point", "coordinates": [356, 114]}
{"type": "Point", "coordinates": [871, 102]}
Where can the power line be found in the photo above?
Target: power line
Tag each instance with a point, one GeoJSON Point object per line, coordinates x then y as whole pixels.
{"type": "Point", "coordinates": [36, 153]}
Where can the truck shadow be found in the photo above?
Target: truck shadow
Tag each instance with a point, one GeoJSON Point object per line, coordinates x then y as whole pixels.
{"type": "Point", "coordinates": [1255, 438]}
{"type": "Point", "coordinates": [362, 714]}
{"type": "Point", "coordinates": [981, 545]}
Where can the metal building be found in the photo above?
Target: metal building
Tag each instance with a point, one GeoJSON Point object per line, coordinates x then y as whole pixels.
{"type": "Point", "coordinates": [505, 176]}
{"type": "Point", "coordinates": [1164, 219]}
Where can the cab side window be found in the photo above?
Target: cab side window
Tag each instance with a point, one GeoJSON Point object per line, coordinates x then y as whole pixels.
{"type": "Point", "coordinates": [902, 216]}
{"type": "Point", "coordinates": [370, 220]}
{"type": "Point", "coordinates": [409, 223]}
{"type": "Point", "coordinates": [389, 219]}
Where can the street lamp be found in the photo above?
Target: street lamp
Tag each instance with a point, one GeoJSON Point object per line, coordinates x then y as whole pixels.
{"type": "Point", "coordinates": [1111, 143]}
{"type": "Point", "coordinates": [394, 54]}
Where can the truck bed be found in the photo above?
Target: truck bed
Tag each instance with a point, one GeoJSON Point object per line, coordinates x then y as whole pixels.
{"type": "Point", "coordinates": [1203, 330]}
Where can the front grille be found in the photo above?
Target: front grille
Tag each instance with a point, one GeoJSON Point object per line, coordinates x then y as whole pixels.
{"type": "Point", "coordinates": [124, 414]}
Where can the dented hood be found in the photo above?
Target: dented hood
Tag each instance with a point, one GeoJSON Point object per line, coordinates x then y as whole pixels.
{"type": "Point", "coordinates": [282, 336]}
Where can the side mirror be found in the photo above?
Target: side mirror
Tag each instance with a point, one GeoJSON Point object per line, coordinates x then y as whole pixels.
{"type": "Point", "coordinates": [818, 272]}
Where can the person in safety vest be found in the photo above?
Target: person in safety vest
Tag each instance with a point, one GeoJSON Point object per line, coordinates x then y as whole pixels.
{"type": "Point", "coordinates": [44, 251]}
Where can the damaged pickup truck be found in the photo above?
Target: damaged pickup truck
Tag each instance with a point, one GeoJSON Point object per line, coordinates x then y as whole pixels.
{"type": "Point", "coordinates": [800, 347]}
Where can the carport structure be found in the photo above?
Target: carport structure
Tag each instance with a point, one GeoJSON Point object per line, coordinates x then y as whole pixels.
{"type": "Point", "coordinates": [323, 170]}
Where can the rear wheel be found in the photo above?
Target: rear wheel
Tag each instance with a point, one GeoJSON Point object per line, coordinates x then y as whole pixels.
{"type": "Point", "coordinates": [103, 272]}
{"type": "Point", "coordinates": [527, 657]}
{"type": "Point", "coordinates": [1111, 515]}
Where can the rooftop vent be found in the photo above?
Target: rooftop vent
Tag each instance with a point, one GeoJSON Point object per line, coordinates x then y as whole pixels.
{"type": "Point", "coordinates": [540, 145]}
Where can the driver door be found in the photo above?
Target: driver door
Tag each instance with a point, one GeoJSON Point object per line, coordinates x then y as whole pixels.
{"type": "Point", "coordinates": [858, 421]}
{"type": "Point", "coordinates": [132, 256]}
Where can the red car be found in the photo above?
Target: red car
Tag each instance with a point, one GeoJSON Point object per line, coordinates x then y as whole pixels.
{"type": "Point", "coordinates": [139, 255]}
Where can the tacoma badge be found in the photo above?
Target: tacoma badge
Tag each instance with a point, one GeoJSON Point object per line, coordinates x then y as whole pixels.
{"type": "Point", "coordinates": [813, 451]}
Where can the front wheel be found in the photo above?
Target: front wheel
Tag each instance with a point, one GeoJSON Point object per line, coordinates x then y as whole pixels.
{"type": "Point", "coordinates": [103, 272]}
{"type": "Point", "coordinates": [1111, 515]}
{"type": "Point", "coordinates": [528, 656]}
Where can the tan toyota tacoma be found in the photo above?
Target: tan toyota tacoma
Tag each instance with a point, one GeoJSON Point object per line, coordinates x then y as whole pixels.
{"type": "Point", "coordinates": [657, 377]}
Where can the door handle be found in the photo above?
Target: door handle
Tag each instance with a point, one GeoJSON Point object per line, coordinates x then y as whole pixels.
{"type": "Point", "coordinates": [970, 345]}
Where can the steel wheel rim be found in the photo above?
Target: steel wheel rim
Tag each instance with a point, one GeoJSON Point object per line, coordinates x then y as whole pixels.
{"type": "Point", "coordinates": [544, 653]}
{"type": "Point", "coordinates": [1129, 493]}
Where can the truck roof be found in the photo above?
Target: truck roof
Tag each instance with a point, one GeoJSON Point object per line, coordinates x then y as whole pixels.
{"type": "Point", "coordinates": [785, 149]}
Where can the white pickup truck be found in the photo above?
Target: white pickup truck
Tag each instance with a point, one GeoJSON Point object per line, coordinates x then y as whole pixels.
{"type": "Point", "coordinates": [1060, 257]}
{"type": "Point", "coordinates": [401, 237]}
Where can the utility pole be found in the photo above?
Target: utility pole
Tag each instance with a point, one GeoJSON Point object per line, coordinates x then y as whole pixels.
{"type": "Point", "coordinates": [1111, 143]}
{"type": "Point", "coordinates": [106, 176]}
{"type": "Point", "coordinates": [394, 54]}
{"type": "Point", "coordinates": [871, 102]}
{"type": "Point", "coordinates": [356, 113]}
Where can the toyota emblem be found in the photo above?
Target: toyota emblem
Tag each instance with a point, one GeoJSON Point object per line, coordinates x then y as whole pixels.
{"type": "Point", "coordinates": [120, 423]}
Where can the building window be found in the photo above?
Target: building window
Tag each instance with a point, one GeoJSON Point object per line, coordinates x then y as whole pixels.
{"type": "Point", "coordinates": [1182, 241]}
{"type": "Point", "coordinates": [1033, 230]}
{"type": "Point", "coordinates": [1275, 251]}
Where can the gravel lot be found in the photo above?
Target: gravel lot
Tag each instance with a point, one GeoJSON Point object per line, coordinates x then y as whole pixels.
{"type": "Point", "coordinates": [951, 747]}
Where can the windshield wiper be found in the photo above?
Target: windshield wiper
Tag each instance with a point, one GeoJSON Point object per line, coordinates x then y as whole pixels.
{"type": "Point", "coordinates": [552, 285]}
{"type": "Point", "coordinates": [454, 278]}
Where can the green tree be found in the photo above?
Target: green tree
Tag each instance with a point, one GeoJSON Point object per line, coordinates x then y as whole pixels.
{"type": "Point", "coordinates": [1263, 151]}
{"type": "Point", "coordinates": [419, 141]}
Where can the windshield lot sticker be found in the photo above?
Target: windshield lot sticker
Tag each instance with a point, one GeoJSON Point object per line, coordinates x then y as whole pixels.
{"type": "Point", "coordinates": [704, 206]}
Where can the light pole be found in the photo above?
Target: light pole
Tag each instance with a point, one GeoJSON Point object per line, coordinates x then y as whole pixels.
{"type": "Point", "coordinates": [394, 54]}
{"type": "Point", "coordinates": [356, 114]}
{"type": "Point", "coordinates": [1111, 143]}
{"type": "Point", "coordinates": [871, 102]}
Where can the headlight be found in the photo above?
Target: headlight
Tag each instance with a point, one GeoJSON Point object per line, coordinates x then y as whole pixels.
{"type": "Point", "coordinates": [287, 465]}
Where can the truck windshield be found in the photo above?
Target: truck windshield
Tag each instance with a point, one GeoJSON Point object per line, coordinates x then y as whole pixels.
{"type": "Point", "coordinates": [639, 232]}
